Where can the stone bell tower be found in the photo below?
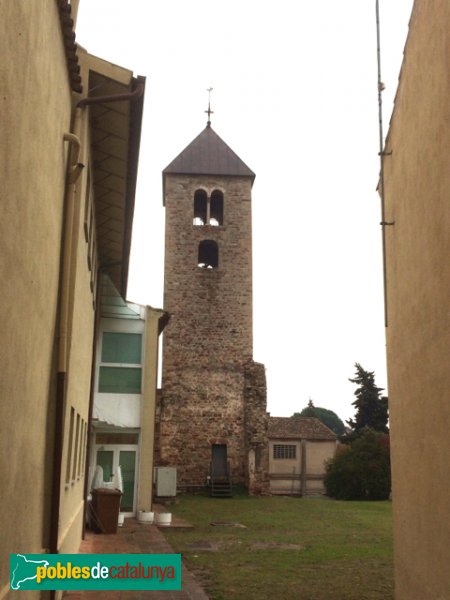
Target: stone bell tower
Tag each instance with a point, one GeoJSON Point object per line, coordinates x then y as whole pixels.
{"type": "Point", "coordinates": [212, 413]}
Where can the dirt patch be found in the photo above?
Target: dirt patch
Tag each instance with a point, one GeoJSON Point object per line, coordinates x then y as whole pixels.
{"type": "Point", "coordinates": [203, 546]}
{"type": "Point", "coordinates": [276, 546]}
{"type": "Point", "coordinates": [228, 524]}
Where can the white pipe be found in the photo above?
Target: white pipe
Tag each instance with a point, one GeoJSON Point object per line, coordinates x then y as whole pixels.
{"type": "Point", "coordinates": [68, 249]}
{"type": "Point", "coordinates": [75, 167]}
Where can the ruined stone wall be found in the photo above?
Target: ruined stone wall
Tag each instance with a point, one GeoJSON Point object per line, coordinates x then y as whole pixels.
{"type": "Point", "coordinates": [198, 410]}
{"type": "Point", "coordinates": [256, 426]}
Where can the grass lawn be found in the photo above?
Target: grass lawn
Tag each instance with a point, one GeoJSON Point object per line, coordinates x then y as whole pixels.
{"type": "Point", "coordinates": [283, 548]}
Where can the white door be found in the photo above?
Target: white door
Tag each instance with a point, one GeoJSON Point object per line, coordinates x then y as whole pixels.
{"type": "Point", "coordinates": [109, 457]}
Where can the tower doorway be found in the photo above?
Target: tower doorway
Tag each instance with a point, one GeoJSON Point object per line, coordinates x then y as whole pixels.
{"type": "Point", "coordinates": [219, 460]}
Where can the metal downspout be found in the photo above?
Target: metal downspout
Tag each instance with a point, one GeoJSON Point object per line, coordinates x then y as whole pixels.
{"type": "Point", "coordinates": [91, 398]}
{"type": "Point", "coordinates": [64, 301]}
{"type": "Point", "coordinates": [134, 95]}
{"type": "Point", "coordinates": [382, 153]}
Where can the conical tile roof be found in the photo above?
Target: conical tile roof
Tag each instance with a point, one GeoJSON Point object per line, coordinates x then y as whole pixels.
{"type": "Point", "coordinates": [208, 154]}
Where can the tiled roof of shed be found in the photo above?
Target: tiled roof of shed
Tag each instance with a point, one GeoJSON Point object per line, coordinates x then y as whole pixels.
{"type": "Point", "coordinates": [208, 154]}
{"type": "Point", "coordinates": [308, 428]}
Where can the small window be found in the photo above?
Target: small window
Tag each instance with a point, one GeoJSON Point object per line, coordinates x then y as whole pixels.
{"type": "Point", "coordinates": [208, 255]}
{"type": "Point", "coordinates": [216, 216]}
{"type": "Point", "coordinates": [70, 448]}
{"type": "Point", "coordinates": [83, 455]}
{"type": "Point", "coordinates": [284, 451]}
{"type": "Point", "coordinates": [200, 208]}
{"type": "Point", "coordinates": [75, 450]}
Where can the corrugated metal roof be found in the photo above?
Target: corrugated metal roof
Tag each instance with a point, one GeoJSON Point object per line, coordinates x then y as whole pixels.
{"type": "Point", "coordinates": [208, 154]}
{"type": "Point", "coordinates": [308, 428]}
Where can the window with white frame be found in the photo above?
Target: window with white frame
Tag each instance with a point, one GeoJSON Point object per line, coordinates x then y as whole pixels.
{"type": "Point", "coordinates": [120, 369]}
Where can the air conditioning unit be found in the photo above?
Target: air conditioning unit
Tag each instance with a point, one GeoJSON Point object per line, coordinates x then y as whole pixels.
{"type": "Point", "coordinates": [166, 481]}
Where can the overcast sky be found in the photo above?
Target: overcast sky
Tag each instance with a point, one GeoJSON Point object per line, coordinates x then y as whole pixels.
{"type": "Point", "coordinates": [295, 96]}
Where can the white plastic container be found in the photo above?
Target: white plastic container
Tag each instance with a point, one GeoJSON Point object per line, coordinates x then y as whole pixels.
{"type": "Point", "coordinates": [163, 519]}
{"type": "Point", "coordinates": [121, 519]}
{"type": "Point", "coordinates": [146, 517]}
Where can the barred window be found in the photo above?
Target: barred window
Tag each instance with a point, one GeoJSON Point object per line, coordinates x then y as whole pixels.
{"type": "Point", "coordinates": [284, 451]}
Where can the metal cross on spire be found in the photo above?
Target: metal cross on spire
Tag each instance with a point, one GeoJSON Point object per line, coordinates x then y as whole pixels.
{"type": "Point", "coordinates": [209, 111]}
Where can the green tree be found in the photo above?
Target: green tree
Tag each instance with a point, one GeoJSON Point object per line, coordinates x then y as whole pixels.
{"type": "Point", "coordinates": [328, 417]}
{"type": "Point", "coordinates": [361, 470]}
{"type": "Point", "coordinates": [371, 407]}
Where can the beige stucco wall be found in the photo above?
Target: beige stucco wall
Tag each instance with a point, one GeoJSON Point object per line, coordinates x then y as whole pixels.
{"type": "Point", "coordinates": [317, 453]}
{"type": "Point", "coordinates": [35, 106]}
{"type": "Point", "coordinates": [278, 466]}
{"type": "Point", "coordinates": [417, 184]}
{"type": "Point", "coordinates": [286, 474]}
{"type": "Point", "coordinates": [150, 375]}
{"type": "Point", "coordinates": [81, 329]}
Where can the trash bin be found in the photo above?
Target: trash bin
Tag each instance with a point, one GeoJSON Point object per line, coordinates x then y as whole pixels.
{"type": "Point", "coordinates": [106, 507]}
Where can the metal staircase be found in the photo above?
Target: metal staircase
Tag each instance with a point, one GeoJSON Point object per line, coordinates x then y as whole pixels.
{"type": "Point", "coordinates": [221, 486]}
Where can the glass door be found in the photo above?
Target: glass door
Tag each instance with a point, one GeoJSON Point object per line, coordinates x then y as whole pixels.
{"type": "Point", "coordinates": [110, 457]}
{"type": "Point", "coordinates": [127, 462]}
{"type": "Point", "coordinates": [105, 459]}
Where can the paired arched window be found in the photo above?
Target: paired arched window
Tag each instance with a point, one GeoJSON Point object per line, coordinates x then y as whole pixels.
{"type": "Point", "coordinates": [208, 254]}
{"type": "Point", "coordinates": [208, 211]}
{"type": "Point", "coordinates": [200, 207]}
{"type": "Point", "coordinates": [216, 208]}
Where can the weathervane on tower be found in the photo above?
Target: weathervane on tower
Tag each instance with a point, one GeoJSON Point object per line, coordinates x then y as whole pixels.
{"type": "Point", "coordinates": [209, 111]}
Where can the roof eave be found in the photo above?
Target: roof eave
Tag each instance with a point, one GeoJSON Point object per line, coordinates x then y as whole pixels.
{"type": "Point", "coordinates": [70, 46]}
{"type": "Point", "coordinates": [119, 210]}
{"type": "Point", "coordinates": [136, 113]}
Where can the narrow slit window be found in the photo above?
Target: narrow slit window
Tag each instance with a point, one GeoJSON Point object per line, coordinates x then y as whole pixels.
{"type": "Point", "coordinates": [80, 449]}
{"type": "Point", "coordinates": [216, 216]}
{"type": "Point", "coordinates": [200, 208]}
{"type": "Point", "coordinates": [70, 448]}
{"type": "Point", "coordinates": [75, 450]}
{"type": "Point", "coordinates": [208, 254]}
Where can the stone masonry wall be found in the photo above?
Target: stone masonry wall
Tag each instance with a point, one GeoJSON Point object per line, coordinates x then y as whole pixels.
{"type": "Point", "coordinates": [211, 309]}
{"type": "Point", "coordinates": [256, 425]}
{"type": "Point", "coordinates": [199, 410]}
{"type": "Point", "coordinates": [209, 394]}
